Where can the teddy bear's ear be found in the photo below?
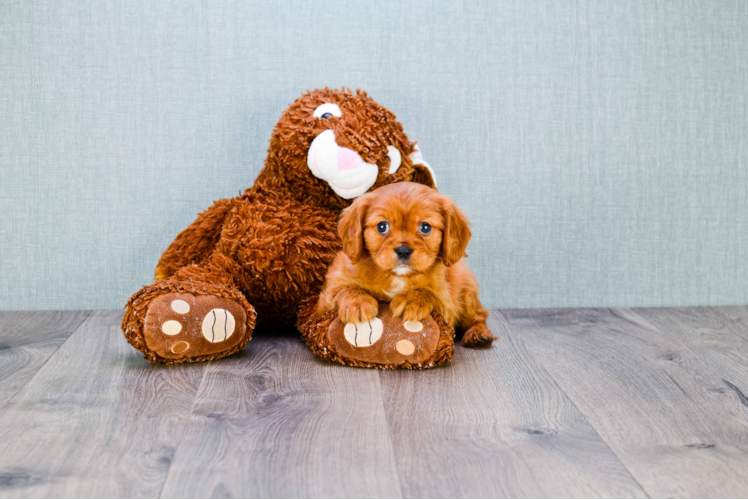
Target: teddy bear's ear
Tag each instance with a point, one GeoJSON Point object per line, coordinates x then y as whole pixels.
{"type": "Point", "coordinates": [351, 229]}
{"type": "Point", "coordinates": [422, 171]}
{"type": "Point", "coordinates": [423, 175]}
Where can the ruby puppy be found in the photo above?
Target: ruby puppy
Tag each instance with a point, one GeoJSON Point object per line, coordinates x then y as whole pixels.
{"type": "Point", "coordinates": [405, 243]}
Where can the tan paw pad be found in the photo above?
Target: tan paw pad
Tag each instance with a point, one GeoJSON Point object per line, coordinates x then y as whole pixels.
{"type": "Point", "coordinates": [413, 326]}
{"type": "Point", "coordinates": [218, 325]}
{"type": "Point", "coordinates": [171, 327]}
{"type": "Point", "coordinates": [180, 347]}
{"type": "Point", "coordinates": [405, 347]}
{"type": "Point", "coordinates": [180, 306]}
{"type": "Point", "coordinates": [363, 334]}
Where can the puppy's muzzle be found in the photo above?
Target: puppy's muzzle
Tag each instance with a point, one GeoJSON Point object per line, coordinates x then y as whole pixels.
{"type": "Point", "coordinates": [404, 252]}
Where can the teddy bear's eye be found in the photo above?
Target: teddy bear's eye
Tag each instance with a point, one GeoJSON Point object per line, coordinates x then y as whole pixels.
{"type": "Point", "coordinates": [383, 227]}
{"type": "Point", "coordinates": [424, 228]}
{"type": "Point", "coordinates": [327, 110]}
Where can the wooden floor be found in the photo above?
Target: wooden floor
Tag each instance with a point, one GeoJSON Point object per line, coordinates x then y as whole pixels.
{"type": "Point", "coordinates": [569, 403]}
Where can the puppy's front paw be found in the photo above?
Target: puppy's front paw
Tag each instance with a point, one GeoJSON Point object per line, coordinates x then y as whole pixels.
{"type": "Point", "coordinates": [477, 336]}
{"type": "Point", "coordinates": [412, 307]}
{"type": "Point", "coordinates": [358, 309]}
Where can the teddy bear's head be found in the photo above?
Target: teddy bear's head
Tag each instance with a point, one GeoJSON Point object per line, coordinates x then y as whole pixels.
{"type": "Point", "coordinates": [336, 145]}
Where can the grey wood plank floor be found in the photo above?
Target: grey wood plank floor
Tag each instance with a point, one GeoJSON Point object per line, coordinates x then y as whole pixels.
{"type": "Point", "coordinates": [95, 421]}
{"type": "Point", "coordinates": [274, 421]}
{"type": "Point", "coordinates": [495, 424]}
{"type": "Point", "coordinates": [27, 340]}
{"type": "Point", "coordinates": [659, 407]}
{"type": "Point", "coordinates": [568, 403]}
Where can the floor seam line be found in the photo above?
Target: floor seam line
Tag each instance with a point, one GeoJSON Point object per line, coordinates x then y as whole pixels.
{"type": "Point", "coordinates": [389, 434]}
{"type": "Point", "coordinates": [189, 415]}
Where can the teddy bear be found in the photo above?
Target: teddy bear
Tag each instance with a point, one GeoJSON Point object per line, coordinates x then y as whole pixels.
{"type": "Point", "coordinates": [259, 259]}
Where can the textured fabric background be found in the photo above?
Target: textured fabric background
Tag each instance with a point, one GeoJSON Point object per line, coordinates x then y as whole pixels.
{"type": "Point", "coordinates": [600, 147]}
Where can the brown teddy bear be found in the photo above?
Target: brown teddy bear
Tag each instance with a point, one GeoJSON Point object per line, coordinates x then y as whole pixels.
{"type": "Point", "coordinates": [264, 254]}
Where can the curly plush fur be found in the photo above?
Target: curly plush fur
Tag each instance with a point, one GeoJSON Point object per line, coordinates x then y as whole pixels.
{"type": "Point", "coordinates": [269, 249]}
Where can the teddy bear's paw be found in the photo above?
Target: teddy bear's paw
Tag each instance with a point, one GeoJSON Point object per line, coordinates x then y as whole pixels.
{"type": "Point", "coordinates": [389, 342]}
{"type": "Point", "coordinates": [182, 325]}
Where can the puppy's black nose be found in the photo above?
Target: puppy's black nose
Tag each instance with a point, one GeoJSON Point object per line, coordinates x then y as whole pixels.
{"type": "Point", "coordinates": [404, 252]}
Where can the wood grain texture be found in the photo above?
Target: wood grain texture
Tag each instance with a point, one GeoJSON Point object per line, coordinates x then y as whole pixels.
{"type": "Point", "coordinates": [96, 421]}
{"type": "Point", "coordinates": [493, 423]}
{"type": "Point", "coordinates": [570, 403]}
{"type": "Point", "coordinates": [274, 421]}
{"type": "Point", "coordinates": [717, 336]}
{"type": "Point", "coordinates": [658, 406]}
{"type": "Point", "coordinates": [27, 340]}
{"type": "Point", "coordinates": [739, 314]}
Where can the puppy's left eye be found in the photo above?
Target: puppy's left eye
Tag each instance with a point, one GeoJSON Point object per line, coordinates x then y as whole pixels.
{"type": "Point", "coordinates": [383, 227]}
{"type": "Point", "coordinates": [424, 228]}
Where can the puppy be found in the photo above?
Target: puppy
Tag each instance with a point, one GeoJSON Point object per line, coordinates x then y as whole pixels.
{"type": "Point", "coordinates": [405, 243]}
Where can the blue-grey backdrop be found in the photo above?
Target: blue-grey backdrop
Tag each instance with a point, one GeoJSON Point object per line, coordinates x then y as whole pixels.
{"type": "Point", "coordinates": [599, 146]}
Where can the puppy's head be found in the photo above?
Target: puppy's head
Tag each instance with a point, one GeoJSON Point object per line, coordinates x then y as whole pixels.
{"type": "Point", "coordinates": [404, 228]}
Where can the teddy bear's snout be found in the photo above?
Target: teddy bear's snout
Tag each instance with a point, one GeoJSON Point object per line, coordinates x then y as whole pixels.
{"type": "Point", "coordinates": [348, 159]}
{"type": "Point", "coordinates": [342, 168]}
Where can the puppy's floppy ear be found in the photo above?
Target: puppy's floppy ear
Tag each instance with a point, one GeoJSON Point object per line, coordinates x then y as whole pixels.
{"type": "Point", "coordinates": [456, 234]}
{"type": "Point", "coordinates": [351, 229]}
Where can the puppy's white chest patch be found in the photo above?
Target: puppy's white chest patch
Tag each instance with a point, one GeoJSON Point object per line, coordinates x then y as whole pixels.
{"type": "Point", "coordinates": [397, 286]}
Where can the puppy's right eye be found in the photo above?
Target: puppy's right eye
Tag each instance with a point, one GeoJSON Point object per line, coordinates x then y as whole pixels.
{"type": "Point", "coordinates": [383, 227]}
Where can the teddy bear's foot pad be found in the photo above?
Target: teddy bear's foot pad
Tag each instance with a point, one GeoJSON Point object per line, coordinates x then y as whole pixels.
{"type": "Point", "coordinates": [383, 342]}
{"type": "Point", "coordinates": [387, 341]}
{"type": "Point", "coordinates": [182, 325]}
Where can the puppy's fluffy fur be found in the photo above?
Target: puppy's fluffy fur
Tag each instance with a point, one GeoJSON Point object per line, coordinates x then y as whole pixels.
{"type": "Point", "coordinates": [405, 243]}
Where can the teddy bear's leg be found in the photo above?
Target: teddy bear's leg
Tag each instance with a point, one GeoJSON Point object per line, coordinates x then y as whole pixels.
{"type": "Point", "coordinates": [197, 241]}
{"type": "Point", "coordinates": [198, 314]}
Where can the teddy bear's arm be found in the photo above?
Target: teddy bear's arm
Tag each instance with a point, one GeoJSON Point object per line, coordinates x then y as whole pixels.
{"type": "Point", "coordinates": [196, 242]}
